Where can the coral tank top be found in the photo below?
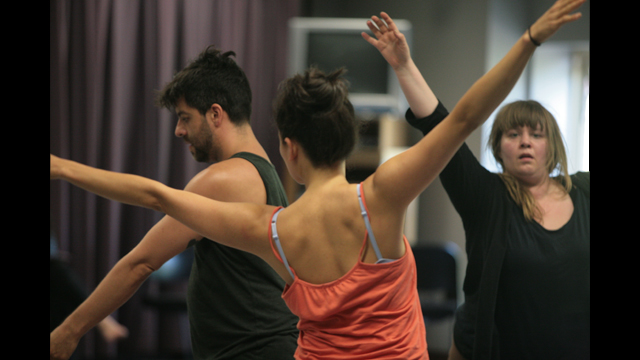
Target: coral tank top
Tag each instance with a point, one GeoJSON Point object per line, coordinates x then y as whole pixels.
{"type": "Point", "coordinates": [371, 312]}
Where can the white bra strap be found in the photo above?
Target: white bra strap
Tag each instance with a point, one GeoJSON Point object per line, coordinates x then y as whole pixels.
{"type": "Point", "coordinates": [367, 223]}
{"type": "Point", "coordinates": [276, 239]}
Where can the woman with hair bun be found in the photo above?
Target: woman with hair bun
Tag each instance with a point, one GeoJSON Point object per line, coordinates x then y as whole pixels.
{"type": "Point", "coordinates": [350, 272]}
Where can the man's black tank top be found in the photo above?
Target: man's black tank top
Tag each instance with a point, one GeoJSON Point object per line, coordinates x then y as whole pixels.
{"type": "Point", "coordinates": [234, 298]}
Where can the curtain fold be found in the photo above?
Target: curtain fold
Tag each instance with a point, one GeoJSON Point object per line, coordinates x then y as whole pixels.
{"type": "Point", "coordinates": [107, 60]}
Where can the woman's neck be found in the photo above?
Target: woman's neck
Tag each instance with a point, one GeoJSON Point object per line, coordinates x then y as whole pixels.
{"type": "Point", "coordinates": [317, 177]}
{"type": "Point", "coordinates": [543, 188]}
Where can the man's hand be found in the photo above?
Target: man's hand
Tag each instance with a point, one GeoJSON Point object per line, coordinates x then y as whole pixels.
{"type": "Point", "coordinates": [61, 344]}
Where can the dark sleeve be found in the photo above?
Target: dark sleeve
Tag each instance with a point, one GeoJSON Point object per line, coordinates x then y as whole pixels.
{"type": "Point", "coordinates": [468, 184]}
{"type": "Point", "coordinates": [582, 180]}
{"type": "Point", "coordinates": [427, 124]}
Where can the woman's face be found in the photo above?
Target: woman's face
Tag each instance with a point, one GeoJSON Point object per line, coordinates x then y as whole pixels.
{"type": "Point", "coordinates": [523, 151]}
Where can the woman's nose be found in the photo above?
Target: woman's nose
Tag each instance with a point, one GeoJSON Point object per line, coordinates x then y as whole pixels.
{"type": "Point", "coordinates": [525, 140]}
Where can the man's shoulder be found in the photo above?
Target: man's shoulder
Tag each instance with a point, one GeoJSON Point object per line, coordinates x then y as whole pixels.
{"type": "Point", "coordinates": [227, 180]}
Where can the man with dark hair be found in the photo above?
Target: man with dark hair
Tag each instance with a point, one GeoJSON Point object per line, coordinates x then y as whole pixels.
{"type": "Point", "coordinates": [233, 298]}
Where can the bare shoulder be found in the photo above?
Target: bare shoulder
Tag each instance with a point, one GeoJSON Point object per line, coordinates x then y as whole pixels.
{"type": "Point", "coordinates": [232, 180]}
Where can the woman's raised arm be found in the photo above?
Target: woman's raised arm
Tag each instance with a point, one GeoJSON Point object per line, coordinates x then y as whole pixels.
{"type": "Point", "coordinates": [243, 226]}
{"type": "Point", "coordinates": [393, 46]}
{"type": "Point", "coordinates": [417, 167]}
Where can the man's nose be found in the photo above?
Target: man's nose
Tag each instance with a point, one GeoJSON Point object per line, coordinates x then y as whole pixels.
{"type": "Point", "coordinates": [180, 130]}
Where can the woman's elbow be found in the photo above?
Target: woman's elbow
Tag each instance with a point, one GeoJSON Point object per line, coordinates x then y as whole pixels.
{"type": "Point", "coordinates": [157, 198]}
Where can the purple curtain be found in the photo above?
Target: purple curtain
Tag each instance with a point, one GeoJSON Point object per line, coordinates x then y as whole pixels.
{"type": "Point", "coordinates": [107, 59]}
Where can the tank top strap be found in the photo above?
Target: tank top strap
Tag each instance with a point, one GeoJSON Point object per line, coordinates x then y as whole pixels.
{"type": "Point", "coordinates": [276, 240]}
{"type": "Point", "coordinates": [367, 223]}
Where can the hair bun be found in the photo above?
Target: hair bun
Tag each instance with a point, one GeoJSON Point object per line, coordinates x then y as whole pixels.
{"type": "Point", "coordinates": [323, 92]}
{"type": "Point", "coordinates": [314, 108]}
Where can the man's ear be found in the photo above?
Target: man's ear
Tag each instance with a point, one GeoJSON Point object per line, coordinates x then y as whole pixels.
{"type": "Point", "coordinates": [215, 115]}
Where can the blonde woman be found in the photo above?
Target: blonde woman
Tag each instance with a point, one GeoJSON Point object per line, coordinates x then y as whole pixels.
{"type": "Point", "coordinates": [527, 228]}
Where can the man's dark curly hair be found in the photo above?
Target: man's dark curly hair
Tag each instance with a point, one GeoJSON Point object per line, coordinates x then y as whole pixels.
{"type": "Point", "coordinates": [212, 78]}
{"type": "Point", "coordinates": [314, 109]}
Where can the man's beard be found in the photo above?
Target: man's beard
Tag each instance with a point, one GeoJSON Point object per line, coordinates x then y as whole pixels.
{"type": "Point", "coordinates": [200, 154]}
{"type": "Point", "coordinates": [205, 148]}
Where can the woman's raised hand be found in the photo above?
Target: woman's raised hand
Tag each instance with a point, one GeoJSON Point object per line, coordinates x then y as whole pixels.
{"type": "Point", "coordinates": [388, 40]}
{"type": "Point", "coordinates": [553, 19]}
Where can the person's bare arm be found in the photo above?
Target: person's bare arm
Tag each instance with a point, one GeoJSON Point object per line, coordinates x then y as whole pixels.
{"type": "Point", "coordinates": [393, 46]}
{"type": "Point", "coordinates": [238, 225]}
{"type": "Point", "coordinates": [165, 240]}
{"type": "Point", "coordinates": [224, 181]}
